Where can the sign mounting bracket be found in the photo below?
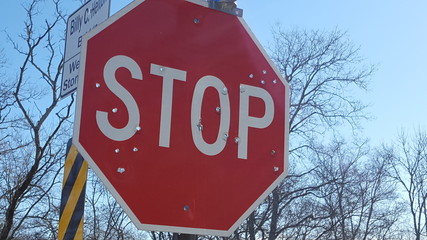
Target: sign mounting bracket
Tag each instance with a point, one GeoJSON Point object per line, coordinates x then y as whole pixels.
{"type": "Point", "coordinates": [214, 4]}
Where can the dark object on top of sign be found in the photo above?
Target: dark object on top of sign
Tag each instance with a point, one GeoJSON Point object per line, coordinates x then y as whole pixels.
{"type": "Point", "coordinates": [227, 6]}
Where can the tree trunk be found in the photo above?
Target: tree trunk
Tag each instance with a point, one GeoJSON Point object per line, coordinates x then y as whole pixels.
{"type": "Point", "coordinates": [251, 226]}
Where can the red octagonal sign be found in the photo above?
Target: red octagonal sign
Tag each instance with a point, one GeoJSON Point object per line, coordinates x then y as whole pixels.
{"type": "Point", "coordinates": [182, 115]}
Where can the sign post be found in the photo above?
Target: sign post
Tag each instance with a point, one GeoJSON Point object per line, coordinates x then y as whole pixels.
{"type": "Point", "coordinates": [84, 19]}
{"type": "Point", "coordinates": [73, 195]}
{"type": "Point", "coordinates": [182, 115]}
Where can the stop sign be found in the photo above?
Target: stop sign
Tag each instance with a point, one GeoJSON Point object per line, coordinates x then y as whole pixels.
{"type": "Point", "coordinates": [182, 115]}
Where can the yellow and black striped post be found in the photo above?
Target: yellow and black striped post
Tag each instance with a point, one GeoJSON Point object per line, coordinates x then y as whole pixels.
{"type": "Point", "coordinates": [73, 195]}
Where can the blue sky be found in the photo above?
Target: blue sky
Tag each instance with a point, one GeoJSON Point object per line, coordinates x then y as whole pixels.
{"type": "Point", "coordinates": [391, 34]}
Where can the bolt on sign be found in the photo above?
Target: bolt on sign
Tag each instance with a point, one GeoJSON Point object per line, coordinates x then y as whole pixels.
{"type": "Point", "coordinates": [182, 115]}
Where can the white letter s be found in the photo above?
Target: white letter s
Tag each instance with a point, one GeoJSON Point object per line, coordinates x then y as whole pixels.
{"type": "Point", "coordinates": [120, 134]}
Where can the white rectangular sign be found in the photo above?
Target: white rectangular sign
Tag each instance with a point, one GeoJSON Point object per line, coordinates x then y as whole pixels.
{"type": "Point", "coordinates": [83, 20]}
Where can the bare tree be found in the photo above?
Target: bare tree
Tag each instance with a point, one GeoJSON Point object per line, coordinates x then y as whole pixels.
{"type": "Point", "coordinates": [408, 156]}
{"type": "Point", "coordinates": [35, 119]}
{"type": "Point", "coordinates": [359, 203]}
{"type": "Point", "coordinates": [321, 67]}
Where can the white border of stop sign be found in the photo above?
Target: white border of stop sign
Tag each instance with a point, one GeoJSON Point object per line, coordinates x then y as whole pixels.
{"type": "Point", "coordinates": [169, 75]}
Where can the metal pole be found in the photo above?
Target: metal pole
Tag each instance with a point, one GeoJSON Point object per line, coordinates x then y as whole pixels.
{"type": "Point", "coordinates": [177, 236]}
{"type": "Point", "coordinates": [227, 6]}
